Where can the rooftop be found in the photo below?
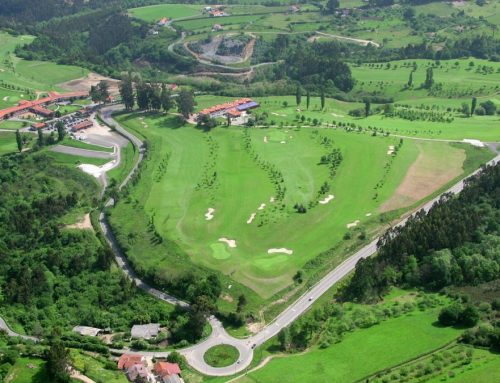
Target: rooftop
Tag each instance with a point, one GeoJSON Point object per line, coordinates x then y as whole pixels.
{"type": "Point", "coordinates": [145, 331]}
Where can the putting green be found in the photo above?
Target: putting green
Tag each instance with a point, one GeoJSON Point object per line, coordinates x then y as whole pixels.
{"type": "Point", "coordinates": [219, 251]}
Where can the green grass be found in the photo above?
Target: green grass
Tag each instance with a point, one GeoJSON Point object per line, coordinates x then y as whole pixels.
{"type": "Point", "coordinates": [95, 368]}
{"type": "Point", "coordinates": [360, 353]}
{"type": "Point", "coordinates": [221, 356]}
{"type": "Point", "coordinates": [28, 370]}
{"type": "Point", "coordinates": [14, 125]}
{"type": "Point", "coordinates": [172, 11]}
{"type": "Point", "coordinates": [128, 158]}
{"type": "Point", "coordinates": [84, 145]}
{"type": "Point", "coordinates": [183, 157]}
{"type": "Point", "coordinates": [7, 143]}
{"type": "Point", "coordinates": [72, 160]}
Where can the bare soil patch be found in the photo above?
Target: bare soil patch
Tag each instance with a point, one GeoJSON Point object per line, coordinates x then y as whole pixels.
{"type": "Point", "coordinates": [431, 170]}
{"type": "Point", "coordinates": [84, 224]}
{"type": "Point", "coordinates": [92, 79]}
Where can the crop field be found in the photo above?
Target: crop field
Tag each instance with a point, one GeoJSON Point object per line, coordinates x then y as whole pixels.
{"type": "Point", "coordinates": [229, 198]}
{"type": "Point", "coordinates": [362, 352]}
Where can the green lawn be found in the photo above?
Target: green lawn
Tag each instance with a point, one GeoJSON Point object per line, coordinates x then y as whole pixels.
{"type": "Point", "coordinates": [95, 368]}
{"type": "Point", "coordinates": [191, 171]}
{"type": "Point", "coordinates": [28, 370]}
{"type": "Point", "coordinates": [72, 160]}
{"type": "Point", "coordinates": [221, 356]}
{"type": "Point", "coordinates": [172, 11]}
{"type": "Point", "coordinates": [85, 145]}
{"type": "Point", "coordinates": [360, 353]}
{"type": "Point", "coordinates": [7, 143]}
{"type": "Point", "coordinates": [128, 158]}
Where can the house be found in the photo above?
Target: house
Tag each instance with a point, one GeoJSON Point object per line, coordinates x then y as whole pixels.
{"type": "Point", "coordinates": [217, 27]}
{"type": "Point", "coordinates": [229, 108]}
{"type": "Point", "coordinates": [146, 331]}
{"type": "Point", "coordinates": [87, 331]}
{"type": "Point", "coordinates": [293, 9]}
{"type": "Point", "coordinates": [217, 13]}
{"type": "Point", "coordinates": [139, 370]}
{"type": "Point", "coordinates": [173, 86]}
{"type": "Point", "coordinates": [82, 125]}
{"type": "Point", "coordinates": [163, 21]}
{"type": "Point", "coordinates": [37, 106]}
{"type": "Point", "coordinates": [168, 372]}
{"type": "Point", "coordinates": [38, 125]}
{"type": "Point", "coordinates": [128, 360]}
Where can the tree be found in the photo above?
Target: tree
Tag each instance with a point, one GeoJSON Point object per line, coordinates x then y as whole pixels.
{"type": "Point", "coordinates": [449, 315]}
{"type": "Point", "coordinates": [367, 107]}
{"type": "Point", "coordinates": [57, 361]}
{"type": "Point", "coordinates": [166, 98]}
{"type": "Point", "coordinates": [176, 357]}
{"type": "Point", "coordinates": [127, 92]}
{"type": "Point", "coordinates": [469, 316]}
{"type": "Point", "coordinates": [308, 99]}
{"type": "Point", "coordinates": [41, 140]}
{"type": "Point", "coordinates": [410, 79]}
{"type": "Point", "coordinates": [332, 5]}
{"type": "Point", "coordinates": [100, 92]}
{"type": "Point", "coordinates": [322, 96]}
{"type": "Point", "coordinates": [429, 78]}
{"type": "Point", "coordinates": [489, 107]}
{"type": "Point", "coordinates": [242, 301]}
{"type": "Point", "coordinates": [473, 105]}
{"type": "Point", "coordinates": [465, 109]}
{"type": "Point", "coordinates": [19, 141]}
{"type": "Point", "coordinates": [143, 95]}
{"type": "Point", "coordinates": [155, 98]}
{"type": "Point", "coordinates": [60, 130]}
{"type": "Point", "coordinates": [185, 103]}
{"type": "Point", "coordinates": [298, 96]}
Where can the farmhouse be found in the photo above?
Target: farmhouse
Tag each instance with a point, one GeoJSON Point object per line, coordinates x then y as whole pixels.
{"type": "Point", "coordinates": [217, 27]}
{"type": "Point", "coordinates": [217, 13]}
{"type": "Point", "coordinates": [87, 331]}
{"type": "Point", "coordinates": [163, 21]}
{"type": "Point", "coordinates": [146, 331]}
{"type": "Point", "coordinates": [38, 106]}
{"type": "Point", "coordinates": [232, 109]}
{"type": "Point", "coordinates": [128, 360]}
{"type": "Point", "coordinates": [168, 372]}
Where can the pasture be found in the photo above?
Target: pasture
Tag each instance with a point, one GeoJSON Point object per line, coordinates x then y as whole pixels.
{"type": "Point", "coordinates": [361, 352]}
{"type": "Point", "coordinates": [228, 198]}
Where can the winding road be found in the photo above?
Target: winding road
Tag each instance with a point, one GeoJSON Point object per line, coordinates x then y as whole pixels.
{"type": "Point", "coordinates": [195, 353]}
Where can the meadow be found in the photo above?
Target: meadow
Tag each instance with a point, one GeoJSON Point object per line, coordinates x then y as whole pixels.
{"type": "Point", "coordinates": [7, 143]}
{"type": "Point", "coordinates": [254, 179]}
{"type": "Point", "coordinates": [154, 13]}
{"type": "Point", "coordinates": [28, 370]}
{"type": "Point", "coordinates": [361, 352]}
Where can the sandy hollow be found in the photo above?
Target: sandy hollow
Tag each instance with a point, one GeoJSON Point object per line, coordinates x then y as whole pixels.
{"type": "Point", "coordinates": [353, 224]}
{"type": "Point", "coordinates": [266, 140]}
{"type": "Point", "coordinates": [262, 206]}
{"type": "Point", "coordinates": [281, 250]}
{"type": "Point", "coordinates": [209, 215]}
{"type": "Point", "coordinates": [249, 221]}
{"type": "Point", "coordinates": [327, 199]}
{"type": "Point", "coordinates": [230, 242]}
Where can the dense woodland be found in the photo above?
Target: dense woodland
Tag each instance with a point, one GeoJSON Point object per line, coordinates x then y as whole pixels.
{"type": "Point", "coordinates": [52, 276]}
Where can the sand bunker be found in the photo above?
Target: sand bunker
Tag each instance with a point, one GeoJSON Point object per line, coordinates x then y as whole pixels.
{"type": "Point", "coordinates": [368, 214]}
{"type": "Point", "coordinates": [271, 199]}
{"type": "Point", "coordinates": [390, 151]}
{"type": "Point", "coordinates": [230, 242]}
{"type": "Point", "coordinates": [476, 143]}
{"type": "Point", "coordinates": [6, 98]}
{"type": "Point", "coordinates": [97, 171]}
{"type": "Point", "coordinates": [266, 140]}
{"type": "Point", "coordinates": [327, 199]}
{"type": "Point", "coordinates": [353, 224]}
{"type": "Point", "coordinates": [281, 250]}
{"type": "Point", "coordinates": [252, 217]}
{"type": "Point", "coordinates": [283, 142]}
{"type": "Point", "coordinates": [209, 215]}
{"type": "Point", "coordinates": [262, 206]}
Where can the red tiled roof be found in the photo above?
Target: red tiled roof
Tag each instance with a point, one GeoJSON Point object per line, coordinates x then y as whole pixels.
{"type": "Point", "coordinates": [83, 125]}
{"type": "Point", "coordinates": [38, 125]}
{"type": "Point", "coordinates": [128, 360]}
{"type": "Point", "coordinates": [225, 106]}
{"type": "Point", "coordinates": [39, 110]}
{"type": "Point", "coordinates": [166, 368]}
{"type": "Point", "coordinates": [24, 105]}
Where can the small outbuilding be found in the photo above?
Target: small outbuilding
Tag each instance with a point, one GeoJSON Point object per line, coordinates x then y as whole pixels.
{"type": "Point", "coordinates": [145, 331]}
{"type": "Point", "coordinates": [87, 331]}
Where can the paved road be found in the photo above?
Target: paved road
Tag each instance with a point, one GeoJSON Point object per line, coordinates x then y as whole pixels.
{"type": "Point", "coordinates": [5, 327]}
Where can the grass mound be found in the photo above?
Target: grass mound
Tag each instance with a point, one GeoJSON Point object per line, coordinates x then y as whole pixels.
{"type": "Point", "coordinates": [221, 356]}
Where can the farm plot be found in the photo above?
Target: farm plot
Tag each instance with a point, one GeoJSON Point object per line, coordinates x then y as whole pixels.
{"type": "Point", "coordinates": [257, 204]}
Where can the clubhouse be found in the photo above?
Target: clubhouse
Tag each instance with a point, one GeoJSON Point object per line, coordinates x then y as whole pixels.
{"type": "Point", "coordinates": [38, 107]}
{"type": "Point", "coordinates": [232, 109]}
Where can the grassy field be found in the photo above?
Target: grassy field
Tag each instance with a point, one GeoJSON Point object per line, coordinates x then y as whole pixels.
{"type": "Point", "coordinates": [172, 11]}
{"type": "Point", "coordinates": [360, 353]}
{"type": "Point", "coordinates": [18, 76]}
{"type": "Point", "coordinates": [221, 356]}
{"type": "Point", "coordinates": [128, 157]}
{"type": "Point", "coordinates": [28, 370]}
{"type": "Point", "coordinates": [192, 171]}
{"type": "Point", "coordinates": [7, 143]}
{"type": "Point", "coordinates": [85, 145]}
{"type": "Point", "coordinates": [72, 160]}
{"type": "Point", "coordinates": [95, 368]}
